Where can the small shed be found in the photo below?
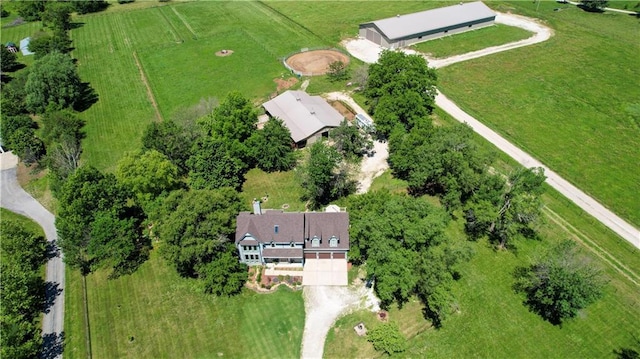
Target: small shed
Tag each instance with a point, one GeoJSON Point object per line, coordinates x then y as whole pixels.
{"type": "Point", "coordinates": [404, 30]}
{"type": "Point", "coordinates": [12, 47]}
{"type": "Point", "coordinates": [24, 46]}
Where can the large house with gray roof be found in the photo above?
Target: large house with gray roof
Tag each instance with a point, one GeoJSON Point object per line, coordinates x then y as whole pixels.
{"type": "Point", "coordinates": [308, 118]}
{"type": "Point", "coordinates": [404, 30]}
{"type": "Point", "coordinates": [274, 236]}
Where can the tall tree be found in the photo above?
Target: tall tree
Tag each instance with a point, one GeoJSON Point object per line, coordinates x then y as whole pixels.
{"type": "Point", "coordinates": [511, 213]}
{"type": "Point", "coordinates": [322, 176]}
{"type": "Point", "coordinates": [271, 147]}
{"type": "Point", "coordinates": [400, 89]}
{"type": "Point", "coordinates": [88, 6]}
{"type": "Point", "coordinates": [234, 119]}
{"type": "Point", "coordinates": [213, 165]}
{"type": "Point", "coordinates": [57, 16]}
{"type": "Point", "coordinates": [31, 10]}
{"type": "Point", "coordinates": [171, 140]}
{"type": "Point", "coordinates": [594, 4]}
{"type": "Point", "coordinates": [53, 81]}
{"type": "Point", "coordinates": [62, 133]}
{"type": "Point", "coordinates": [561, 283]}
{"type": "Point", "coordinates": [196, 228]}
{"type": "Point", "coordinates": [147, 175]}
{"type": "Point", "coordinates": [85, 194]}
{"type": "Point", "coordinates": [441, 161]}
{"type": "Point", "coordinates": [8, 59]}
{"type": "Point", "coordinates": [350, 141]}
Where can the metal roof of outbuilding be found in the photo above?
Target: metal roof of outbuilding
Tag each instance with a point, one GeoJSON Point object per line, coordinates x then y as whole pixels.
{"type": "Point", "coordinates": [304, 115]}
{"type": "Point", "coordinates": [420, 22]}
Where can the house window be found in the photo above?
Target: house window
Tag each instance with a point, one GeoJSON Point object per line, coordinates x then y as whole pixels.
{"type": "Point", "coordinates": [246, 257]}
{"type": "Point", "coordinates": [273, 245]}
{"type": "Point", "coordinates": [293, 244]}
{"type": "Point", "coordinates": [315, 242]}
{"type": "Point", "coordinates": [419, 37]}
{"type": "Point", "coordinates": [275, 229]}
{"type": "Point", "coordinates": [333, 242]}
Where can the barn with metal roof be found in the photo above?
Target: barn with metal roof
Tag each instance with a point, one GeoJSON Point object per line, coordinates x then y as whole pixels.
{"type": "Point", "coordinates": [404, 30]}
{"type": "Point", "coordinates": [307, 117]}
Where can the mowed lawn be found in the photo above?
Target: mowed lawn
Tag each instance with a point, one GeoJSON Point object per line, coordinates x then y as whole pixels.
{"type": "Point", "coordinates": [565, 101]}
{"type": "Point", "coordinates": [156, 314]}
{"type": "Point", "coordinates": [479, 39]}
{"type": "Point", "coordinates": [175, 47]}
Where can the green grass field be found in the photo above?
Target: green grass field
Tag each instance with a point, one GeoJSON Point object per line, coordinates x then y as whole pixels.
{"type": "Point", "coordinates": [27, 223]}
{"type": "Point", "coordinates": [168, 318]}
{"type": "Point", "coordinates": [282, 188]}
{"type": "Point", "coordinates": [565, 101]}
{"type": "Point", "coordinates": [479, 39]}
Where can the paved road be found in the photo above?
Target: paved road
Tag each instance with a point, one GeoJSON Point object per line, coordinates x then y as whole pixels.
{"type": "Point", "coordinates": [15, 199]}
{"type": "Point", "coordinates": [369, 52]}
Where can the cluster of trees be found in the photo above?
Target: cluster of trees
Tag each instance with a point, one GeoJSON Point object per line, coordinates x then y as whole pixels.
{"type": "Point", "coordinates": [51, 89]}
{"type": "Point", "coordinates": [98, 225]}
{"type": "Point", "coordinates": [402, 241]}
{"type": "Point", "coordinates": [400, 89]}
{"type": "Point", "coordinates": [21, 291]}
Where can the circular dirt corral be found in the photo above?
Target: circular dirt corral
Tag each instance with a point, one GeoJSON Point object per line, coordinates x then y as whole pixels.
{"type": "Point", "coordinates": [315, 62]}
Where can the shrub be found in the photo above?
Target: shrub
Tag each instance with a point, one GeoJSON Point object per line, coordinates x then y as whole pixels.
{"type": "Point", "coordinates": [388, 338]}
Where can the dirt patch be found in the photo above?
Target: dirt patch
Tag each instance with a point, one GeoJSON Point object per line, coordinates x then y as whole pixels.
{"type": "Point", "coordinates": [284, 84]}
{"type": "Point", "coordinates": [316, 62]}
{"type": "Point", "coordinates": [344, 110]}
{"type": "Point", "coordinates": [223, 53]}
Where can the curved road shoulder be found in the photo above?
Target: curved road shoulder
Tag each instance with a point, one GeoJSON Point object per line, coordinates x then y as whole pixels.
{"type": "Point", "coordinates": [15, 199]}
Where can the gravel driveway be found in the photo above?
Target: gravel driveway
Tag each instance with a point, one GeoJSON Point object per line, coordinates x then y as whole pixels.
{"type": "Point", "coordinates": [15, 199]}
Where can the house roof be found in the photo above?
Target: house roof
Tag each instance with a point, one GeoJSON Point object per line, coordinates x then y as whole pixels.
{"type": "Point", "coordinates": [325, 225]}
{"type": "Point", "coordinates": [294, 227]}
{"type": "Point", "coordinates": [263, 227]}
{"type": "Point", "coordinates": [304, 115]}
{"type": "Point", "coordinates": [282, 253]}
{"type": "Point", "coordinates": [425, 21]}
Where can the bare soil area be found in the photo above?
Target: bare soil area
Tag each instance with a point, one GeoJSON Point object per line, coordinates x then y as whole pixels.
{"type": "Point", "coordinates": [315, 62]}
{"type": "Point", "coordinates": [344, 110]}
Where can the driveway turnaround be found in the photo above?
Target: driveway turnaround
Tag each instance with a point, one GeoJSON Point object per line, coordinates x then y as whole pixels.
{"type": "Point", "coordinates": [15, 199]}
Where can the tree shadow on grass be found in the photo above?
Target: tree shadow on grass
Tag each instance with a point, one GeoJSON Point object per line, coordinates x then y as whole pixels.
{"type": "Point", "coordinates": [87, 97]}
{"type": "Point", "coordinates": [52, 345]}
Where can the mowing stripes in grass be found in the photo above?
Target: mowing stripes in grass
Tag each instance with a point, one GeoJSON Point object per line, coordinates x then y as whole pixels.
{"type": "Point", "coordinates": [184, 22]}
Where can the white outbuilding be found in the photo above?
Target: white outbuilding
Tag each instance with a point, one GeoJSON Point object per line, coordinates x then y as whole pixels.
{"type": "Point", "coordinates": [404, 30]}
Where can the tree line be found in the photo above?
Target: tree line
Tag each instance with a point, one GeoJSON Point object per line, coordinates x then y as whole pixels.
{"type": "Point", "coordinates": [22, 291]}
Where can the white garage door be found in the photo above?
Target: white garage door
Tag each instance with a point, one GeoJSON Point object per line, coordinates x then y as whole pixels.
{"type": "Point", "coordinates": [325, 272]}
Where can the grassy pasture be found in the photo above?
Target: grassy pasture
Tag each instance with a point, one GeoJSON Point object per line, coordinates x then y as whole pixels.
{"type": "Point", "coordinates": [479, 39]}
{"type": "Point", "coordinates": [565, 101]}
{"type": "Point", "coordinates": [175, 46]}
{"type": "Point", "coordinates": [168, 318]}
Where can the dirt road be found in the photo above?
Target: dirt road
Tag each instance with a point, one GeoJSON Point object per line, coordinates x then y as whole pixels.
{"type": "Point", "coordinates": [15, 199]}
